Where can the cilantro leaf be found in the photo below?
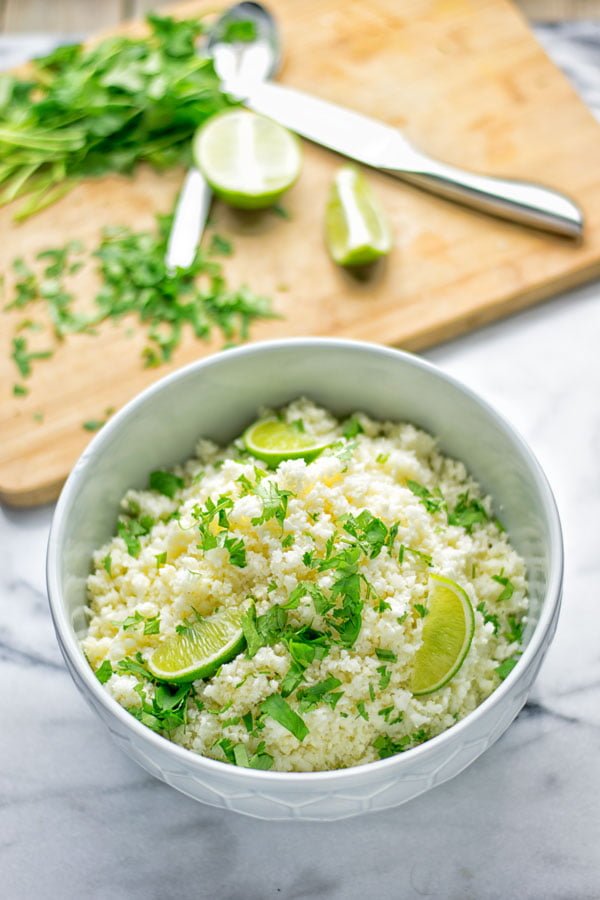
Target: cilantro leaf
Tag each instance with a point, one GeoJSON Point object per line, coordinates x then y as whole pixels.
{"type": "Point", "coordinates": [508, 587]}
{"type": "Point", "coordinates": [370, 532]}
{"type": "Point", "coordinates": [274, 503]}
{"type": "Point", "coordinates": [132, 529]}
{"type": "Point", "coordinates": [467, 513]}
{"type": "Point", "coordinates": [323, 692]}
{"type": "Point", "coordinates": [506, 667]}
{"type": "Point", "coordinates": [433, 502]}
{"type": "Point", "coordinates": [104, 672]}
{"type": "Point", "coordinates": [279, 709]}
{"type": "Point", "coordinates": [352, 428]}
{"type": "Point", "coordinates": [165, 483]}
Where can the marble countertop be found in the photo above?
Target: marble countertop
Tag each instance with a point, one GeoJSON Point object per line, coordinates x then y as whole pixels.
{"type": "Point", "coordinates": [80, 820]}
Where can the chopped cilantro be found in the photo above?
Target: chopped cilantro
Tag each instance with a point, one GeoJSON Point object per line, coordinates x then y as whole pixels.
{"type": "Point", "coordinates": [23, 358]}
{"type": "Point", "coordinates": [107, 563]}
{"type": "Point", "coordinates": [433, 502]}
{"type": "Point", "coordinates": [323, 692]}
{"type": "Point", "coordinates": [160, 558]}
{"type": "Point", "coordinates": [131, 530]}
{"type": "Point", "coordinates": [362, 711]}
{"type": "Point", "coordinates": [248, 722]}
{"type": "Point", "coordinates": [280, 211]}
{"type": "Point", "coordinates": [237, 551]}
{"type": "Point", "coordinates": [165, 483]}
{"type": "Point", "coordinates": [383, 605]}
{"type": "Point", "coordinates": [506, 667]}
{"type": "Point", "coordinates": [467, 513]}
{"type": "Point", "coordinates": [19, 390]}
{"type": "Point", "coordinates": [382, 458]}
{"type": "Point", "coordinates": [384, 677]}
{"type": "Point", "coordinates": [370, 533]}
{"type": "Point", "coordinates": [508, 587]}
{"type": "Point", "coordinates": [151, 623]}
{"type": "Point", "coordinates": [489, 617]}
{"type": "Point", "coordinates": [421, 609]}
{"type": "Point", "coordinates": [351, 428]}
{"type": "Point", "coordinates": [387, 746]}
{"type": "Point", "coordinates": [386, 655]}
{"type": "Point", "coordinates": [274, 503]}
{"type": "Point", "coordinates": [104, 672]}
{"type": "Point", "coordinates": [514, 632]}
{"type": "Point", "coordinates": [288, 541]}
{"type": "Point", "coordinates": [279, 709]}
{"type": "Point", "coordinates": [220, 246]}
{"type": "Point", "coordinates": [93, 424]}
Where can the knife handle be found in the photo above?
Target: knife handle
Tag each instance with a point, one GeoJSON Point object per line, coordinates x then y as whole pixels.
{"type": "Point", "coordinates": [189, 220]}
{"type": "Point", "coordinates": [520, 201]}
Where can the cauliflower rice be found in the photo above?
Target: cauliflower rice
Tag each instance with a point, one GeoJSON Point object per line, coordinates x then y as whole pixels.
{"type": "Point", "coordinates": [171, 562]}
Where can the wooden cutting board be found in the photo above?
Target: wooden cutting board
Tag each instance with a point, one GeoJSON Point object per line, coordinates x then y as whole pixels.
{"type": "Point", "coordinates": [467, 81]}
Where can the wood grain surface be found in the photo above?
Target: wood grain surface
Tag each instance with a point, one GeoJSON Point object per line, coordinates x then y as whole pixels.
{"type": "Point", "coordinates": [84, 16]}
{"type": "Point", "coordinates": [466, 80]}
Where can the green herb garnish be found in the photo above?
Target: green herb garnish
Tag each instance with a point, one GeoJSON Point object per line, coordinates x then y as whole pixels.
{"type": "Point", "coordinates": [432, 501]}
{"type": "Point", "coordinates": [104, 672]}
{"type": "Point", "coordinates": [165, 483]}
{"type": "Point", "coordinates": [467, 513]}
{"type": "Point", "coordinates": [279, 709]}
{"type": "Point", "coordinates": [508, 587]}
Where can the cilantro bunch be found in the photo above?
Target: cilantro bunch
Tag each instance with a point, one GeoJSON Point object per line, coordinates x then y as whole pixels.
{"type": "Point", "coordinates": [86, 111]}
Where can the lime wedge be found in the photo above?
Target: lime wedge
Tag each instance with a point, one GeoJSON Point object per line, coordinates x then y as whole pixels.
{"type": "Point", "coordinates": [356, 230]}
{"type": "Point", "coordinates": [273, 441]}
{"type": "Point", "coordinates": [199, 650]}
{"type": "Point", "coordinates": [248, 160]}
{"type": "Point", "coordinates": [447, 635]}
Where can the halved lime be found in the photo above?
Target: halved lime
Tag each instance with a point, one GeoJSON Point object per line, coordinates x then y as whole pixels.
{"type": "Point", "coordinates": [273, 440]}
{"type": "Point", "coordinates": [198, 650]}
{"type": "Point", "coordinates": [248, 160]}
{"type": "Point", "coordinates": [356, 230]}
{"type": "Point", "coordinates": [447, 635]}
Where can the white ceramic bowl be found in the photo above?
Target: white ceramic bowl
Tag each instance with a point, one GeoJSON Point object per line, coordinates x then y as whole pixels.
{"type": "Point", "coordinates": [217, 398]}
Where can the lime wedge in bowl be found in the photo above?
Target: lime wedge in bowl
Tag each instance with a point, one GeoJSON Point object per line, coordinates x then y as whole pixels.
{"type": "Point", "coordinates": [247, 159]}
{"type": "Point", "coordinates": [356, 230]}
{"type": "Point", "coordinates": [273, 440]}
{"type": "Point", "coordinates": [447, 634]}
{"type": "Point", "coordinates": [198, 650]}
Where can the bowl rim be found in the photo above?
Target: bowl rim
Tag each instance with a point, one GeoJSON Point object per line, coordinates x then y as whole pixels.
{"type": "Point", "coordinates": [76, 661]}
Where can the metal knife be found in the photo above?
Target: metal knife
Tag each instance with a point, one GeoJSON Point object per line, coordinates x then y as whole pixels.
{"type": "Point", "coordinates": [383, 147]}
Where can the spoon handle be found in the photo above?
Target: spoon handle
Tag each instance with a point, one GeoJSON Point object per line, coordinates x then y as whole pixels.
{"type": "Point", "coordinates": [189, 220]}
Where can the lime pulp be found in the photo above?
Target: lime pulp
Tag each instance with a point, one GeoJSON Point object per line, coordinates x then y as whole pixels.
{"type": "Point", "coordinates": [447, 634]}
{"type": "Point", "coordinates": [247, 159]}
{"type": "Point", "coordinates": [198, 650]}
{"type": "Point", "coordinates": [356, 230]}
{"type": "Point", "coordinates": [273, 440]}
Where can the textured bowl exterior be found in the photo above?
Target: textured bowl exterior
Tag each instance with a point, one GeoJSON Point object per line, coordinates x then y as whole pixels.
{"type": "Point", "coordinates": [86, 511]}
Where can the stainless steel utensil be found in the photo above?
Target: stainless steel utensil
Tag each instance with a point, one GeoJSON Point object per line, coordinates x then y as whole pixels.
{"type": "Point", "coordinates": [246, 62]}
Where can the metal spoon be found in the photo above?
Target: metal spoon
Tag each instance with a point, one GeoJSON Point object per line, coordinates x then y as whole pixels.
{"type": "Point", "coordinates": [247, 62]}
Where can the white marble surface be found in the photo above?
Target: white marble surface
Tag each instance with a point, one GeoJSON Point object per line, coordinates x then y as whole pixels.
{"type": "Point", "coordinates": [79, 820]}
